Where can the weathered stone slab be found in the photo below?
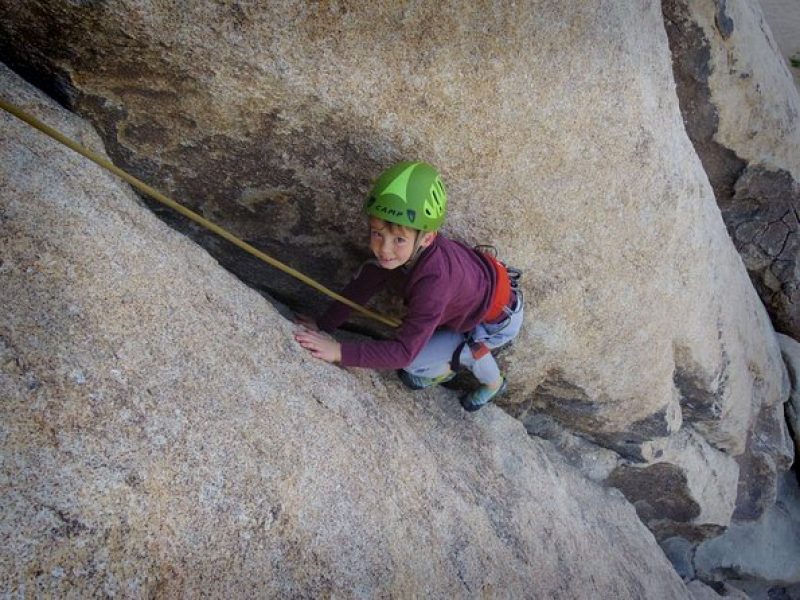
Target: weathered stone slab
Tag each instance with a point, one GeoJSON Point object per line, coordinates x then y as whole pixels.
{"type": "Point", "coordinates": [766, 552]}
{"type": "Point", "coordinates": [162, 435]}
{"type": "Point", "coordinates": [675, 495]}
{"type": "Point", "coordinates": [790, 350]}
{"type": "Point", "coordinates": [770, 451]}
{"type": "Point", "coordinates": [783, 17]}
{"type": "Point", "coordinates": [560, 138]}
{"type": "Point", "coordinates": [741, 111]}
{"type": "Point", "coordinates": [701, 591]}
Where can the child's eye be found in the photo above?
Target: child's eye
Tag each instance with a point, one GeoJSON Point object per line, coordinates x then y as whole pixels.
{"type": "Point", "coordinates": [400, 240]}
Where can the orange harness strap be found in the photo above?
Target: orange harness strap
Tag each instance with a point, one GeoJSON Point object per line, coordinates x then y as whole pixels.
{"type": "Point", "coordinates": [502, 291]}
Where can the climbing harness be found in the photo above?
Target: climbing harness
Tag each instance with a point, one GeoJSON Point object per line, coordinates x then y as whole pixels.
{"type": "Point", "coordinates": [507, 291]}
{"type": "Point", "coordinates": [156, 195]}
{"type": "Point", "coordinates": [506, 302]}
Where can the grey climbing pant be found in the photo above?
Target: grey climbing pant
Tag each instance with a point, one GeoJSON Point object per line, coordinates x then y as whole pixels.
{"type": "Point", "coordinates": [437, 356]}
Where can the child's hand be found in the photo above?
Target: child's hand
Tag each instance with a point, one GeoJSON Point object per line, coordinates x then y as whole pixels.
{"type": "Point", "coordinates": [306, 322]}
{"type": "Point", "coordinates": [321, 345]}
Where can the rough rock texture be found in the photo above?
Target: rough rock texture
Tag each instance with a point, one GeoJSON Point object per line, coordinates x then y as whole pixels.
{"type": "Point", "coordinates": [790, 349]}
{"type": "Point", "coordinates": [560, 137]}
{"type": "Point", "coordinates": [741, 111]}
{"type": "Point", "coordinates": [762, 217]}
{"type": "Point", "coordinates": [783, 17]}
{"type": "Point", "coordinates": [701, 591]}
{"type": "Point", "coordinates": [594, 461]}
{"type": "Point", "coordinates": [764, 555]}
{"type": "Point", "coordinates": [676, 489]}
{"type": "Point", "coordinates": [162, 434]}
{"type": "Point", "coordinates": [769, 450]}
{"type": "Point", "coordinates": [680, 553]}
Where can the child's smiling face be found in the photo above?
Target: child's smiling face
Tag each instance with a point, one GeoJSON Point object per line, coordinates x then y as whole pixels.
{"type": "Point", "coordinates": [393, 245]}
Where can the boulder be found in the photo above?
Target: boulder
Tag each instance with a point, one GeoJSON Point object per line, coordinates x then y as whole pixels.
{"type": "Point", "coordinates": [763, 222]}
{"type": "Point", "coordinates": [163, 435]}
{"type": "Point", "coordinates": [680, 553]}
{"type": "Point", "coordinates": [769, 451]}
{"type": "Point", "coordinates": [763, 555]}
{"type": "Point", "coordinates": [593, 461]}
{"type": "Point", "coordinates": [783, 17]}
{"type": "Point", "coordinates": [741, 107]}
{"type": "Point", "coordinates": [701, 591]}
{"type": "Point", "coordinates": [790, 349]}
{"type": "Point", "coordinates": [560, 138]}
{"type": "Point", "coordinates": [675, 495]}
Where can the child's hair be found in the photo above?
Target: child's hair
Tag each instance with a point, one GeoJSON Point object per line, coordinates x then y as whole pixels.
{"type": "Point", "coordinates": [395, 228]}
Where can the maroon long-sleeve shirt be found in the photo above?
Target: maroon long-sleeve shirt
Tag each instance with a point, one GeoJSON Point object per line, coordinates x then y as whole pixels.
{"type": "Point", "coordinates": [450, 285]}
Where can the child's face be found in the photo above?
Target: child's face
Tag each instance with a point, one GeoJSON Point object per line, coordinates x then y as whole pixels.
{"type": "Point", "coordinates": [393, 244]}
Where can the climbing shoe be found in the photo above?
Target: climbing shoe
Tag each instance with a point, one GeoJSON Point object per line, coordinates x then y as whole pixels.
{"type": "Point", "coordinates": [481, 397]}
{"type": "Point", "coordinates": [417, 382]}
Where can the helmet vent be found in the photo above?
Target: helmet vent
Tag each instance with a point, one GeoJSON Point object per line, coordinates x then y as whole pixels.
{"type": "Point", "coordinates": [408, 190]}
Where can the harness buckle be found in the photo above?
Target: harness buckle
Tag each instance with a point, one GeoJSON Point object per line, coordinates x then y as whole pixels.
{"type": "Point", "coordinates": [514, 275]}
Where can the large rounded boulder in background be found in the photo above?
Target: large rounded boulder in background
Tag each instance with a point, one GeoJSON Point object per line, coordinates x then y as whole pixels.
{"type": "Point", "coordinates": [560, 137]}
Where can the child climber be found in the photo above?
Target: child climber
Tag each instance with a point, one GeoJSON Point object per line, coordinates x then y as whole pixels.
{"type": "Point", "coordinates": [460, 302]}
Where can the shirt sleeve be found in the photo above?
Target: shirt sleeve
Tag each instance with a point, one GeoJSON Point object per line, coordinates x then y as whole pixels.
{"type": "Point", "coordinates": [426, 303]}
{"type": "Point", "coordinates": [368, 280]}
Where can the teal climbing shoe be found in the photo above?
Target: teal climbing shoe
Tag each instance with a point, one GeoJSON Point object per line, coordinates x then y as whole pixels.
{"type": "Point", "coordinates": [481, 397]}
{"type": "Point", "coordinates": [417, 382]}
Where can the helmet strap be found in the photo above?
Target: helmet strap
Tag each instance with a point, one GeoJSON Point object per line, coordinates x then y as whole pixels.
{"type": "Point", "coordinates": [416, 251]}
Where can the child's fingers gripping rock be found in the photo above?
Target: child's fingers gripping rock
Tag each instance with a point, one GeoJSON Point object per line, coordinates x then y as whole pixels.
{"type": "Point", "coordinates": [320, 345]}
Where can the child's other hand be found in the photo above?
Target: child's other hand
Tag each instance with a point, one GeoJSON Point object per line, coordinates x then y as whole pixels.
{"type": "Point", "coordinates": [306, 322]}
{"type": "Point", "coordinates": [321, 345]}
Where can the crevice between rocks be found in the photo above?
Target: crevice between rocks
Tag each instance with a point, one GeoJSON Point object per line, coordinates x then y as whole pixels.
{"type": "Point", "coordinates": [751, 198]}
{"type": "Point", "coordinates": [566, 402]}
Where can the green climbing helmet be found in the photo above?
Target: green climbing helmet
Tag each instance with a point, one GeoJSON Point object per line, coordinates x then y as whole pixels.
{"type": "Point", "coordinates": [409, 193]}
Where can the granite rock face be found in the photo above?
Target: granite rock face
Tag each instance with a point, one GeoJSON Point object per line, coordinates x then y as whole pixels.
{"type": "Point", "coordinates": [790, 349]}
{"type": "Point", "coordinates": [763, 221]}
{"type": "Point", "coordinates": [163, 435]}
{"type": "Point", "coordinates": [741, 110]}
{"type": "Point", "coordinates": [762, 557]}
{"type": "Point", "coordinates": [783, 17]}
{"type": "Point", "coordinates": [560, 137]}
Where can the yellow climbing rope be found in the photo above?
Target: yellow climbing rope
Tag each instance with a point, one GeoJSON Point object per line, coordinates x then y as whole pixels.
{"type": "Point", "coordinates": [156, 195]}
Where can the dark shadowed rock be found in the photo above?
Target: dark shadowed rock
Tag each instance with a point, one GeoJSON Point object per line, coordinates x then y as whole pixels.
{"type": "Point", "coordinates": [765, 555]}
{"type": "Point", "coordinates": [659, 491]}
{"type": "Point", "coordinates": [790, 350]}
{"type": "Point", "coordinates": [680, 553]}
{"type": "Point", "coordinates": [164, 436]}
{"type": "Point", "coordinates": [762, 220]}
{"type": "Point", "coordinates": [692, 65]}
{"type": "Point", "coordinates": [741, 109]}
{"type": "Point", "coordinates": [560, 138]}
{"type": "Point", "coordinates": [770, 450]}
